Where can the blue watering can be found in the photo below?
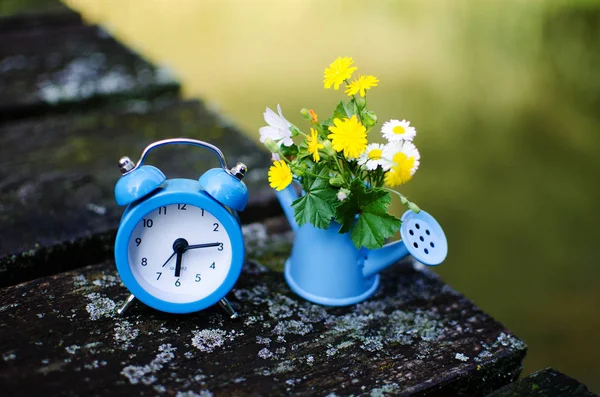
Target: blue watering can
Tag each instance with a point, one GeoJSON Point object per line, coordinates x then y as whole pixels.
{"type": "Point", "coordinates": [326, 268]}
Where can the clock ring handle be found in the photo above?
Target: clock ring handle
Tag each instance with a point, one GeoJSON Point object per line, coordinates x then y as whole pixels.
{"type": "Point", "coordinates": [127, 168]}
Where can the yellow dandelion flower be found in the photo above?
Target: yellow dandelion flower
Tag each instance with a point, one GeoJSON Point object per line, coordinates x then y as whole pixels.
{"type": "Point", "coordinates": [349, 136]}
{"type": "Point", "coordinates": [361, 85]}
{"type": "Point", "coordinates": [280, 175]}
{"type": "Point", "coordinates": [339, 70]}
{"type": "Point", "coordinates": [314, 145]}
{"type": "Point", "coordinates": [404, 160]}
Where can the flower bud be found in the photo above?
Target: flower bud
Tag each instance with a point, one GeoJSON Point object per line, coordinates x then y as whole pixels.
{"type": "Point", "coordinates": [413, 207]}
{"type": "Point", "coordinates": [305, 113]}
{"type": "Point", "coordinates": [336, 181]}
{"type": "Point", "coordinates": [343, 194]}
{"type": "Point", "coordinates": [327, 148]}
{"type": "Point", "coordinates": [294, 130]}
{"type": "Point", "coordinates": [272, 145]}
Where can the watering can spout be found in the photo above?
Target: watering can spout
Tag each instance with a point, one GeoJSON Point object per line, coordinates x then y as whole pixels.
{"type": "Point", "coordinates": [422, 238]}
{"type": "Point", "coordinates": [379, 259]}
{"type": "Point", "coordinates": [286, 197]}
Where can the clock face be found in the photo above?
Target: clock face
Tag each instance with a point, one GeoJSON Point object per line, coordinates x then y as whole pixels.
{"type": "Point", "coordinates": [180, 233]}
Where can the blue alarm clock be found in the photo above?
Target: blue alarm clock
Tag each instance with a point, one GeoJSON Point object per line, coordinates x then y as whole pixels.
{"type": "Point", "coordinates": [179, 247]}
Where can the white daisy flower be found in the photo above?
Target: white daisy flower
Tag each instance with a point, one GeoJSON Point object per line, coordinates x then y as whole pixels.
{"type": "Point", "coordinates": [278, 128]}
{"type": "Point", "coordinates": [373, 157]}
{"type": "Point", "coordinates": [395, 131]}
{"type": "Point", "coordinates": [403, 159]}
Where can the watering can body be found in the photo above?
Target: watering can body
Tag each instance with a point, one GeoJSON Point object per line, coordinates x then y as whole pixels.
{"type": "Point", "coordinates": [326, 268]}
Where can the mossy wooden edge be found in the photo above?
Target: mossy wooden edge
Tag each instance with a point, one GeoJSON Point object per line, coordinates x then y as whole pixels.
{"type": "Point", "coordinates": [73, 67]}
{"type": "Point", "coordinates": [544, 383]}
{"type": "Point", "coordinates": [415, 336]}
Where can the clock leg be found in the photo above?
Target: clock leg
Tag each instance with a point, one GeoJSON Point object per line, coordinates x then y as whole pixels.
{"type": "Point", "coordinates": [225, 305]}
{"type": "Point", "coordinates": [128, 302]}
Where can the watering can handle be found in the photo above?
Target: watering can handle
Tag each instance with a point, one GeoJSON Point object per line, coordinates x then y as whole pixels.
{"type": "Point", "coordinates": [286, 197]}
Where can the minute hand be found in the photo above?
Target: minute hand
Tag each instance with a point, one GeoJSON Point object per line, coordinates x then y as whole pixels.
{"type": "Point", "coordinates": [207, 245]}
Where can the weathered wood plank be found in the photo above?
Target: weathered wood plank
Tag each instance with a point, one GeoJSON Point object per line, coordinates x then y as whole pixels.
{"type": "Point", "coordinates": [545, 383]}
{"type": "Point", "coordinates": [57, 175]}
{"type": "Point", "coordinates": [32, 14]}
{"type": "Point", "coordinates": [72, 67]}
{"type": "Point", "coordinates": [60, 336]}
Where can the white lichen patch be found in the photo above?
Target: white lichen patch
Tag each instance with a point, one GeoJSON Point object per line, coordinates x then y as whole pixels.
{"type": "Point", "coordinates": [72, 349]}
{"type": "Point", "coordinates": [345, 344]}
{"type": "Point", "coordinates": [280, 307]}
{"type": "Point", "coordinates": [280, 350]}
{"type": "Point", "coordinates": [8, 356]}
{"type": "Point", "coordinates": [255, 235]}
{"type": "Point", "coordinates": [107, 280]}
{"type": "Point", "coordinates": [265, 353]}
{"type": "Point", "coordinates": [292, 327]}
{"type": "Point", "coordinates": [372, 343]}
{"type": "Point", "coordinates": [310, 313]}
{"type": "Point", "coordinates": [507, 340]}
{"type": "Point", "coordinates": [146, 374]}
{"type": "Point", "coordinates": [263, 341]}
{"type": "Point", "coordinates": [96, 209]}
{"type": "Point", "coordinates": [389, 389]}
{"type": "Point", "coordinates": [125, 334]}
{"type": "Point", "coordinates": [310, 359]}
{"type": "Point", "coordinates": [83, 78]}
{"type": "Point", "coordinates": [79, 281]}
{"type": "Point", "coordinates": [207, 340]}
{"type": "Point", "coordinates": [284, 366]}
{"type": "Point", "coordinates": [256, 295]}
{"type": "Point", "coordinates": [100, 306]}
{"type": "Point", "coordinates": [461, 357]}
{"type": "Point", "coordinates": [189, 393]}
{"type": "Point", "coordinates": [95, 364]}
{"type": "Point", "coordinates": [253, 319]}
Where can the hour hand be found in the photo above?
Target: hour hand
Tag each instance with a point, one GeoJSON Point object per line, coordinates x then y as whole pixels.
{"type": "Point", "coordinates": [206, 245]}
{"type": "Point", "coordinates": [178, 264]}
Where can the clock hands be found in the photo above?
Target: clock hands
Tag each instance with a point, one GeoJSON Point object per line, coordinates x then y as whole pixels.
{"type": "Point", "coordinates": [180, 246]}
{"type": "Point", "coordinates": [207, 245]}
{"type": "Point", "coordinates": [172, 255]}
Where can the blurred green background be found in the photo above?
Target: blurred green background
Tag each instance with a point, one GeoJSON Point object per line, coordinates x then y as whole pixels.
{"type": "Point", "coordinates": [505, 96]}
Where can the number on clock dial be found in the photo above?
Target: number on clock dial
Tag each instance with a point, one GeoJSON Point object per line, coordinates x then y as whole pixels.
{"type": "Point", "coordinates": [152, 259]}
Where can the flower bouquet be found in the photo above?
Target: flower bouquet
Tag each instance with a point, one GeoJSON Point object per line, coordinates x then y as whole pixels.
{"type": "Point", "coordinates": [345, 177]}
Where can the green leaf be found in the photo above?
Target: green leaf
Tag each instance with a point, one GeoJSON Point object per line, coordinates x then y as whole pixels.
{"type": "Point", "coordinates": [303, 152]}
{"type": "Point", "coordinates": [373, 224]}
{"type": "Point", "coordinates": [360, 102]}
{"type": "Point", "coordinates": [327, 123]}
{"type": "Point", "coordinates": [344, 110]}
{"type": "Point", "coordinates": [369, 119]}
{"type": "Point", "coordinates": [317, 206]}
{"type": "Point", "coordinates": [371, 230]}
{"type": "Point", "coordinates": [289, 151]}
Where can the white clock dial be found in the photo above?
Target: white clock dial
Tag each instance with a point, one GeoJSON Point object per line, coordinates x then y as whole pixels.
{"type": "Point", "coordinates": [153, 260]}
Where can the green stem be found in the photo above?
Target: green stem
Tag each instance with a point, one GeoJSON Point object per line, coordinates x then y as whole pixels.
{"type": "Point", "coordinates": [412, 206]}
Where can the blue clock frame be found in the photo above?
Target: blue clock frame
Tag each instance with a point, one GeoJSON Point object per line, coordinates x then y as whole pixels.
{"type": "Point", "coordinates": [178, 191]}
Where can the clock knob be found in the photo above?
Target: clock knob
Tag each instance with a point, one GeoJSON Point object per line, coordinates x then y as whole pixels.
{"type": "Point", "coordinates": [239, 170]}
{"type": "Point", "coordinates": [125, 164]}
